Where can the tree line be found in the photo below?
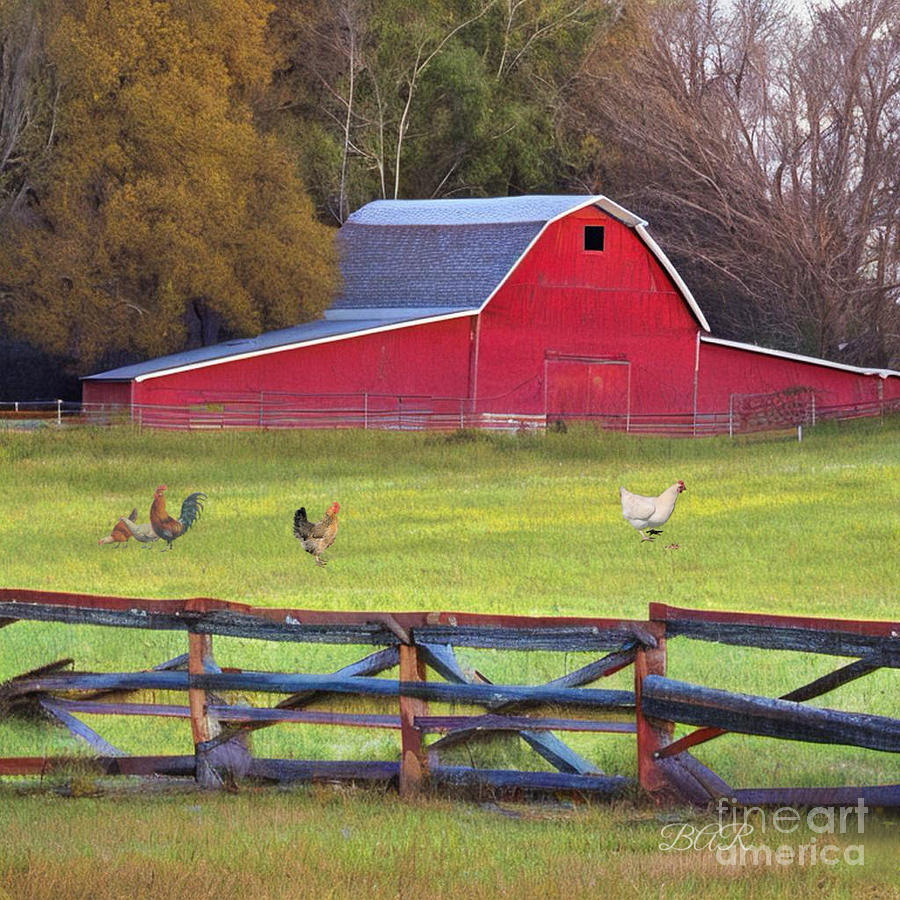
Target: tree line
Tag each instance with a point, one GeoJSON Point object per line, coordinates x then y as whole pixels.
{"type": "Point", "coordinates": [172, 171]}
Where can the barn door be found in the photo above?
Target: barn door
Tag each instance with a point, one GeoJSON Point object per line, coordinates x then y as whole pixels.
{"type": "Point", "coordinates": [587, 388]}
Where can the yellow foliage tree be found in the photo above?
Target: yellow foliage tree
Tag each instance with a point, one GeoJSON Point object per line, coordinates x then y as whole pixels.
{"type": "Point", "coordinates": [162, 195]}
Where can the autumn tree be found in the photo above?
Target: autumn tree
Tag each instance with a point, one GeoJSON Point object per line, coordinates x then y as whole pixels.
{"type": "Point", "coordinates": [163, 202]}
{"type": "Point", "coordinates": [766, 151]}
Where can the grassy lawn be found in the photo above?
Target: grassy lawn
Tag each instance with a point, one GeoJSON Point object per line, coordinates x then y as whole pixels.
{"type": "Point", "coordinates": [517, 524]}
{"type": "Point", "coordinates": [328, 842]}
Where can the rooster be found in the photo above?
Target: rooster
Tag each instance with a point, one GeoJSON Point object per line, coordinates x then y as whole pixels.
{"type": "Point", "coordinates": [120, 532]}
{"type": "Point", "coordinates": [647, 513]}
{"type": "Point", "coordinates": [164, 525]}
{"type": "Point", "coordinates": [318, 536]}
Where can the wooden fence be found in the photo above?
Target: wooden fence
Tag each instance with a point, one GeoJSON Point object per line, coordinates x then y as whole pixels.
{"type": "Point", "coordinates": [416, 642]}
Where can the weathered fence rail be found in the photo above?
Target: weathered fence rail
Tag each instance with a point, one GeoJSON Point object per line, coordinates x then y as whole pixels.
{"type": "Point", "coordinates": [416, 642]}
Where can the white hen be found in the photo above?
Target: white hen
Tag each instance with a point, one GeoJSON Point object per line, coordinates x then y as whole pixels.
{"type": "Point", "coordinates": [143, 533]}
{"type": "Point", "coordinates": [648, 513]}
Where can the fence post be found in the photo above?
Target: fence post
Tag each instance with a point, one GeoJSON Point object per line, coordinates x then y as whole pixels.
{"type": "Point", "coordinates": [413, 761]}
{"type": "Point", "coordinates": [652, 734]}
{"type": "Point", "coordinates": [59, 412]}
{"type": "Point", "coordinates": [200, 660]}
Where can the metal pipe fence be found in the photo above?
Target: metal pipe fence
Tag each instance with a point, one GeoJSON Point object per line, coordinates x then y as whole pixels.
{"type": "Point", "coordinates": [31, 413]}
{"type": "Point", "coordinates": [782, 410]}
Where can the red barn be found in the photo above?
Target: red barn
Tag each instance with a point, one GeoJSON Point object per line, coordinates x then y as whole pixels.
{"type": "Point", "coordinates": [484, 311]}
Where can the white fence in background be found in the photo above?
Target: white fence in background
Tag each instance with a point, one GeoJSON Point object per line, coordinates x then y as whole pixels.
{"type": "Point", "coordinates": [33, 413]}
{"type": "Point", "coordinates": [746, 413]}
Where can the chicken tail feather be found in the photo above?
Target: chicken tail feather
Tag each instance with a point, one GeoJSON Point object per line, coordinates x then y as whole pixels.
{"type": "Point", "coordinates": [191, 509]}
{"type": "Point", "coordinates": [302, 525]}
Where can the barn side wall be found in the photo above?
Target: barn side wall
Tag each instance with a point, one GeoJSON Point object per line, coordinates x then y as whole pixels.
{"type": "Point", "coordinates": [616, 306]}
{"type": "Point", "coordinates": [726, 373]}
{"type": "Point", "coordinates": [429, 359]}
{"type": "Point", "coordinates": [110, 393]}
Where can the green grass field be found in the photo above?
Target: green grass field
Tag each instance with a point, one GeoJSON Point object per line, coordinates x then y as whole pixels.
{"type": "Point", "coordinates": [481, 523]}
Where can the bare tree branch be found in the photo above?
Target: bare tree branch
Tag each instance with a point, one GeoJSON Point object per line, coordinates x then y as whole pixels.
{"type": "Point", "coordinates": [767, 151]}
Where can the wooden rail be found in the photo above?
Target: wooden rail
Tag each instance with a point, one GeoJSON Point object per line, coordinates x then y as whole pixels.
{"type": "Point", "coordinates": [419, 644]}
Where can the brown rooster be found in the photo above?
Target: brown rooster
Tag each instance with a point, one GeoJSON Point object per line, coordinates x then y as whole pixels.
{"type": "Point", "coordinates": [318, 536]}
{"type": "Point", "coordinates": [164, 525]}
{"type": "Point", "coordinates": [120, 532]}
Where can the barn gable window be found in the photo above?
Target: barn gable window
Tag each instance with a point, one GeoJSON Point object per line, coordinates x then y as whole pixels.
{"type": "Point", "coordinates": [593, 237]}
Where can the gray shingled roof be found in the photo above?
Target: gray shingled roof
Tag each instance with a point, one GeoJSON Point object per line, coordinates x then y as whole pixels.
{"type": "Point", "coordinates": [451, 267]}
{"type": "Point", "coordinates": [449, 254]}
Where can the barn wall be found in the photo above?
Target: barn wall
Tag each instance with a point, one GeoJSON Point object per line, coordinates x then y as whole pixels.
{"type": "Point", "coordinates": [562, 301]}
{"type": "Point", "coordinates": [116, 393]}
{"type": "Point", "coordinates": [430, 359]}
{"type": "Point", "coordinates": [891, 388]}
{"type": "Point", "coordinates": [729, 370]}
